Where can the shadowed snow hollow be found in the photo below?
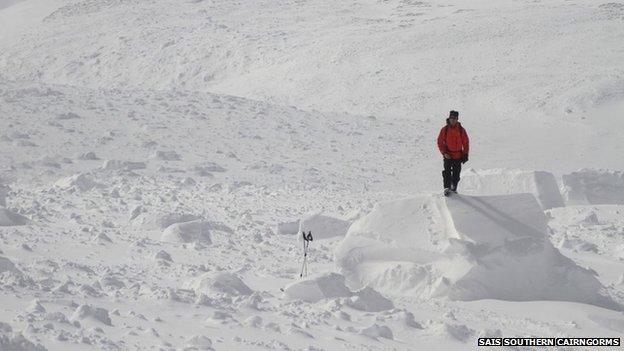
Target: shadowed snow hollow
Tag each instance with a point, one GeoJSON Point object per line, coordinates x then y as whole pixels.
{"type": "Point", "coordinates": [464, 248]}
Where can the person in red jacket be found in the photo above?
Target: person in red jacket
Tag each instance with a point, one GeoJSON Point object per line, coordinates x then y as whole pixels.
{"type": "Point", "coordinates": [454, 145]}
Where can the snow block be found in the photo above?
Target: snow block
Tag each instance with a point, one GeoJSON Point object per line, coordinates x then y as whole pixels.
{"type": "Point", "coordinates": [318, 287]}
{"type": "Point", "coordinates": [77, 181]}
{"type": "Point", "coordinates": [188, 232]}
{"type": "Point", "coordinates": [593, 187]}
{"type": "Point", "coordinates": [88, 312]}
{"type": "Point", "coordinates": [9, 218]}
{"type": "Point", "coordinates": [323, 227]}
{"type": "Point", "coordinates": [369, 300]}
{"type": "Point", "coordinates": [161, 221]}
{"type": "Point", "coordinates": [464, 248]}
{"type": "Point", "coordinates": [219, 283]}
{"type": "Point", "coordinates": [542, 185]}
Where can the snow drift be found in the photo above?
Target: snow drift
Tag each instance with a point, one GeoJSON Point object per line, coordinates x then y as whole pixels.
{"type": "Point", "coordinates": [464, 248]}
{"type": "Point", "coordinates": [542, 185]}
{"type": "Point", "coordinates": [323, 226]}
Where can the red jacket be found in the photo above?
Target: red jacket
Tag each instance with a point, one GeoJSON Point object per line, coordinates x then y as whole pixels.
{"type": "Point", "coordinates": [453, 140]}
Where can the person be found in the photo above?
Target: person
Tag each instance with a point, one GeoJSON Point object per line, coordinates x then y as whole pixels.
{"type": "Point", "coordinates": [453, 143]}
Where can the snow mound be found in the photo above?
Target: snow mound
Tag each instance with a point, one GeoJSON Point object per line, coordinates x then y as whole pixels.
{"type": "Point", "coordinates": [542, 185]}
{"type": "Point", "coordinates": [188, 232]}
{"type": "Point", "coordinates": [593, 187]}
{"type": "Point", "coordinates": [376, 331]}
{"type": "Point", "coordinates": [161, 221]}
{"type": "Point", "coordinates": [199, 342]}
{"type": "Point", "coordinates": [112, 165]}
{"type": "Point", "coordinates": [219, 283]}
{"type": "Point", "coordinates": [464, 248]}
{"type": "Point", "coordinates": [77, 181]}
{"type": "Point", "coordinates": [324, 227]}
{"type": "Point", "coordinates": [9, 218]}
{"type": "Point", "coordinates": [87, 312]}
{"type": "Point", "coordinates": [318, 287]}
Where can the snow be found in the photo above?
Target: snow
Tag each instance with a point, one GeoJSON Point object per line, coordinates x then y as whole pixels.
{"type": "Point", "coordinates": [77, 181]}
{"type": "Point", "coordinates": [6, 265]}
{"type": "Point", "coordinates": [314, 289]}
{"type": "Point", "coordinates": [377, 331]}
{"type": "Point", "coordinates": [465, 248]}
{"type": "Point", "coordinates": [4, 190]}
{"type": "Point", "coordinates": [591, 186]}
{"type": "Point", "coordinates": [323, 226]}
{"type": "Point", "coordinates": [17, 342]}
{"type": "Point", "coordinates": [10, 218]}
{"type": "Point", "coordinates": [197, 231]}
{"type": "Point", "coordinates": [90, 313]}
{"type": "Point", "coordinates": [369, 300]}
{"type": "Point", "coordinates": [159, 161]}
{"type": "Point", "coordinates": [220, 283]}
{"type": "Point", "coordinates": [541, 184]}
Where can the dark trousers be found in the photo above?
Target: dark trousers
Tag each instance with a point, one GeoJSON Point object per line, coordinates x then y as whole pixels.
{"type": "Point", "coordinates": [450, 174]}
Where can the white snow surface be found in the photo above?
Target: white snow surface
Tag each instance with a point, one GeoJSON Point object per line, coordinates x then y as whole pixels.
{"type": "Point", "coordinates": [542, 185]}
{"type": "Point", "coordinates": [464, 248]}
{"type": "Point", "coordinates": [323, 226]}
{"type": "Point", "coordinates": [157, 156]}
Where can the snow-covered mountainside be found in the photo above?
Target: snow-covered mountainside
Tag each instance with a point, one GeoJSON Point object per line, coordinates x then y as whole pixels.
{"type": "Point", "coordinates": [159, 158]}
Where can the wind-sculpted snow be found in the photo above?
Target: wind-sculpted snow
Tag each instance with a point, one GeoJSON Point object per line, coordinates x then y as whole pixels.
{"type": "Point", "coordinates": [464, 248]}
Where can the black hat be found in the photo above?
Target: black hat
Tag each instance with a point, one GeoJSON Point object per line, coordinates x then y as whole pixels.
{"type": "Point", "coordinates": [454, 113]}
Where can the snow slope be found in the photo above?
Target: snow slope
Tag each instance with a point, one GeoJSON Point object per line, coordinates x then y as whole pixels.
{"type": "Point", "coordinates": [157, 157]}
